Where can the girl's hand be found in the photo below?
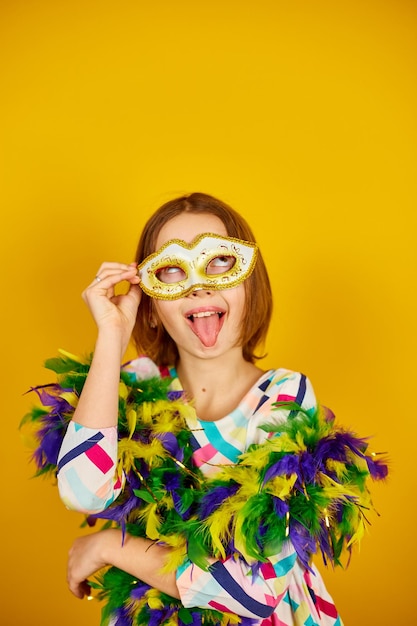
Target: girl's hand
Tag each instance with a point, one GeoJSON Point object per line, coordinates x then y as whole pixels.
{"type": "Point", "coordinates": [140, 557]}
{"type": "Point", "coordinates": [108, 309]}
{"type": "Point", "coordinates": [85, 558]}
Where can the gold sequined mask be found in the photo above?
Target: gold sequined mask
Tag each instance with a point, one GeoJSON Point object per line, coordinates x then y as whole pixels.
{"type": "Point", "coordinates": [209, 262]}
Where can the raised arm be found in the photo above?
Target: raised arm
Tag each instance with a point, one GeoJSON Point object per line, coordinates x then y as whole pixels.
{"type": "Point", "coordinates": [115, 317]}
{"type": "Point", "coordinates": [87, 480]}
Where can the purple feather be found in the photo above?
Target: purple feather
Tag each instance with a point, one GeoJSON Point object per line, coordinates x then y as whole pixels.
{"type": "Point", "coordinates": [328, 414]}
{"type": "Point", "coordinates": [121, 617]}
{"type": "Point", "coordinates": [303, 542]}
{"type": "Point", "coordinates": [139, 590]}
{"type": "Point", "coordinates": [170, 443]}
{"type": "Point", "coordinates": [377, 468]}
{"type": "Point", "coordinates": [262, 529]}
{"type": "Point", "coordinates": [248, 621]}
{"type": "Point", "coordinates": [53, 399]}
{"type": "Point", "coordinates": [159, 616]}
{"type": "Point", "coordinates": [280, 506]}
{"type": "Point", "coordinates": [133, 479]}
{"type": "Point", "coordinates": [308, 467]}
{"type": "Point", "coordinates": [175, 395]}
{"type": "Point", "coordinates": [303, 465]}
{"type": "Point", "coordinates": [49, 448]}
{"type": "Point", "coordinates": [50, 437]}
{"type": "Point", "coordinates": [171, 481]}
{"type": "Point", "coordinates": [335, 447]}
{"type": "Point", "coordinates": [288, 464]}
{"type": "Point", "coordinates": [323, 541]}
{"type": "Point", "coordinates": [215, 497]}
{"type": "Point", "coordinates": [117, 512]}
{"type": "Point", "coordinates": [180, 507]}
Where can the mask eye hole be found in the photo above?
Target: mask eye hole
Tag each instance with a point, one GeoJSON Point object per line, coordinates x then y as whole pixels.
{"type": "Point", "coordinates": [170, 274]}
{"type": "Point", "coordinates": [220, 265]}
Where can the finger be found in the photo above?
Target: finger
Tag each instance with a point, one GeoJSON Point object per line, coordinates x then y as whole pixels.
{"type": "Point", "coordinates": [105, 283]}
{"type": "Point", "coordinates": [131, 298]}
{"type": "Point", "coordinates": [115, 272]}
{"type": "Point", "coordinates": [104, 267]}
{"type": "Point", "coordinates": [110, 271]}
{"type": "Point", "coordinates": [79, 590]}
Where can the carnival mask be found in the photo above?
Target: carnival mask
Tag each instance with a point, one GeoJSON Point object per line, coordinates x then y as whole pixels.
{"type": "Point", "coordinates": [209, 262]}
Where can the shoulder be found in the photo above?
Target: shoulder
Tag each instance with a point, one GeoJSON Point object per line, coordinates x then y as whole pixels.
{"type": "Point", "coordinates": [284, 385]}
{"type": "Point", "coordinates": [279, 386]}
{"type": "Point", "coordinates": [289, 386]}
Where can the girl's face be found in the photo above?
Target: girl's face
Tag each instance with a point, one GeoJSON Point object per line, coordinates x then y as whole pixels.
{"type": "Point", "coordinates": [204, 323]}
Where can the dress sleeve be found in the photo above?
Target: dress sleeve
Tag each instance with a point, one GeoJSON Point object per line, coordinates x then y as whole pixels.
{"type": "Point", "coordinates": [235, 587]}
{"type": "Point", "coordinates": [88, 480]}
{"type": "Point", "coordinates": [295, 387]}
{"type": "Point", "coordinates": [87, 477]}
{"type": "Point", "coordinates": [284, 386]}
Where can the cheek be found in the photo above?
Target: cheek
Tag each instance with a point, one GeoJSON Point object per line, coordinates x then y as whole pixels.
{"type": "Point", "coordinates": [235, 298]}
{"type": "Point", "coordinates": [163, 310]}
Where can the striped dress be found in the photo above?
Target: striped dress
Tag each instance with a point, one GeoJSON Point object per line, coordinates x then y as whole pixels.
{"type": "Point", "coordinates": [280, 592]}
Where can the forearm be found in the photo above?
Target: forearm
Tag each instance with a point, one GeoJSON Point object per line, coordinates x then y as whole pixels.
{"type": "Point", "coordinates": [141, 558]}
{"type": "Point", "coordinates": [98, 403]}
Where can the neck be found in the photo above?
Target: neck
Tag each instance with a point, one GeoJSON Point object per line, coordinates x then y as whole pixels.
{"type": "Point", "coordinates": [216, 385]}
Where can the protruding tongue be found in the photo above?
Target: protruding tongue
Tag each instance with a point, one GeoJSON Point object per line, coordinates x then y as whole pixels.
{"type": "Point", "coordinates": [207, 328]}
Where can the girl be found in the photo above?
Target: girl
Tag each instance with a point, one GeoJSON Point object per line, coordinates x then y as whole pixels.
{"type": "Point", "coordinates": [199, 307]}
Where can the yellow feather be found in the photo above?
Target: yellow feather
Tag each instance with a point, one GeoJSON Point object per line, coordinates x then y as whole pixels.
{"type": "Point", "coordinates": [73, 357]}
{"type": "Point", "coordinates": [131, 418]}
{"type": "Point", "coordinates": [219, 527]}
{"type": "Point", "coordinates": [358, 535]}
{"type": "Point", "coordinates": [176, 542]}
{"type": "Point", "coordinates": [147, 451]}
{"type": "Point", "coordinates": [281, 486]}
{"type": "Point", "coordinates": [230, 618]}
{"type": "Point", "coordinates": [360, 462]}
{"type": "Point", "coordinates": [29, 435]}
{"type": "Point", "coordinates": [228, 512]}
{"type": "Point", "coordinates": [285, 443]}
{"type": "Point", "coordinates": [70, 397]}
{"type": "Point", "coordinates": [300, 441]}
{"type": "Point", "coordinates": [176, 554]}
{"type": "Point", "coordinates": [247, 490]}
{"type": "Point", "coordinates": [171, 416]}
{"type": "Point", "coordinates": [219, 533]}
{"type": "Point", "coordinates": [146, 413]}
{"type": "Point", "coordinates": [153, 522]}
{"type": "Point", "coordinates": [256, 457]}
{"type": "Point", "coordinates": [123, 392]}
{"type": "Point", "coordinates": [245, 475]}
{"type": "Point", "coordinates": [154, 600]}
{"type": "Point", "coordinates": [332, 489]}
{"type": "Point", "coordinates": [336, 467]}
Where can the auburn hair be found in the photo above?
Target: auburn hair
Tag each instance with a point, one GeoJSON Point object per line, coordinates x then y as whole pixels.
{"type": "Point", "coordinates": [153, 340]}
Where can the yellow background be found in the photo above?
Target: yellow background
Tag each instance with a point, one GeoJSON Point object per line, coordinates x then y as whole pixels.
{"type": "Point", "coordinates": [302, 115]}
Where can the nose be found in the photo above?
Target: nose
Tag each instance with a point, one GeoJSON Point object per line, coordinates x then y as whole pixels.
{"type": "Point", "coordinates": [201, 291]}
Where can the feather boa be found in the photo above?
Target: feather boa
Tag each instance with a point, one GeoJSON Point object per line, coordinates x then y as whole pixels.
{"type": "Point", "coordinates": [308, 483]}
